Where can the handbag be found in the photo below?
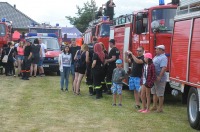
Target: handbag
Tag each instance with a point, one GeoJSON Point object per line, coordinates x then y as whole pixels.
{"type": "Point", "coordinates": [5, 58]}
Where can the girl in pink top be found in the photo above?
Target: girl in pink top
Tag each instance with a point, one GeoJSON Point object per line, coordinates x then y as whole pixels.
{"type": "Point", "coordinates": [20, 56]}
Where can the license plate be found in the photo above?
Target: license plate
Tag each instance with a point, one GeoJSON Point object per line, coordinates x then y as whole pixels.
{"type": "Point", "coordinates": [45, 65]}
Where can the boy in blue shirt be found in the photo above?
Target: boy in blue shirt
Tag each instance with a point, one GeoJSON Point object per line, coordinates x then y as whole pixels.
{"type": "Point", "coordinates": [117, 77]}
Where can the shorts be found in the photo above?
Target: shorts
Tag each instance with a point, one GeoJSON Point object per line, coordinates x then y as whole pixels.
{"type": "Point", "coordinates": [134, 83]}
{"type": "Point", "coordinates": [20, 57]}
{"type": "Point", "coordinates": [80, 70]}
{"type": "Point", "coordinates": [116, 88]}
{"type": "Point", "coordinates": [41, 61]}
{"type": "Point", "coordinates": [158, 88]}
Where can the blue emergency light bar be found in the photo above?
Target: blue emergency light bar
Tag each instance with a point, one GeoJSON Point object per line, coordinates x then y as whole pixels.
{"type": "Point", "coordinates": [161, 2]}
{"type": "Point", "coordinates": [42, 35]}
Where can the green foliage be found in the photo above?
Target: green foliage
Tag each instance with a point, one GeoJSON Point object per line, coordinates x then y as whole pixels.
{"type": "Point", "coordinates": [84, 14]}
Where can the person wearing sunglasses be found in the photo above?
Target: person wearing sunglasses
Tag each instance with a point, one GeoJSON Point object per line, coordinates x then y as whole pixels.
{"type": "Point", "coordinates": [136, 72]}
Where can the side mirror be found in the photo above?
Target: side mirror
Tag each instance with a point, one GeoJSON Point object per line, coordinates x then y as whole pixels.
{"type": "Point", "coordinates": [138, 27]}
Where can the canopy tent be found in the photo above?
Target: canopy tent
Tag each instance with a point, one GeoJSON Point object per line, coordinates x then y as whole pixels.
{"type": "Point", "coordinates": [72, 32]}
{"type": "Point", "coordinates": [16, 36]}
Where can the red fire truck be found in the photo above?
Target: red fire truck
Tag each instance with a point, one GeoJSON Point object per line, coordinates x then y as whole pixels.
{"type": "Point", "coordinates": [5, 32]}
{"type": "Point", "coordinates": [148, 28]}
{"type": "Point", "coordinates": [46, 28]}
{"type": "Point", "coordinates": [99, 28]}
{"type": "Point", "coordinates": [185, 58]}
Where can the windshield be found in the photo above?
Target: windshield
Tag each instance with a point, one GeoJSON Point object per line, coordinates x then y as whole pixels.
{"type": "Point", "coordinates": [2, 30]}
{"type": "Point", "coordinates": [165, 17]}
{"type": "Point", "coordinates": [43, 30]}
{"type": "Point", "coordinates": [105, 30]}
{"type": "Point", "coordinates": [51, 43]}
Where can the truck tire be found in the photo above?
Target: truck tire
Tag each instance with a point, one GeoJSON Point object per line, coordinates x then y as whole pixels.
{"type": "Point", "coordinates": [193, 109]}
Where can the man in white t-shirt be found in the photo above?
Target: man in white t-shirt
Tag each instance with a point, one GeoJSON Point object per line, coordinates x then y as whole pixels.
{"type": "Point", "coordinates": [40, 65]}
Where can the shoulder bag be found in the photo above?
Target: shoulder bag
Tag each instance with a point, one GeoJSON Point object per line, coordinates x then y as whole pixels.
{"type": "Point", "coordinates": [5, 58]}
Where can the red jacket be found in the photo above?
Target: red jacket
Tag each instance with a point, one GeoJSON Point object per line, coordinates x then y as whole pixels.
{"type": "Point", "coordinates": [151, 76]}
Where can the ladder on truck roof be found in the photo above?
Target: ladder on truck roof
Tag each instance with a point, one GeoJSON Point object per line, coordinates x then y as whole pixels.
{"type": "Point", "coordinates": [188, 9]}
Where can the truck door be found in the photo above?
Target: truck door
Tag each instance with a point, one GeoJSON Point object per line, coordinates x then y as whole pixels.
{"type": "Point", "coordinates": [142, 24]}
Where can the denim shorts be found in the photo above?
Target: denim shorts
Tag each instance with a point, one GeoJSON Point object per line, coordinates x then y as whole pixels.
{"type": "Point", "coordinates": [134, 83]}
{"type": "Point", "coordinates": [116, 88]}
{"type": "Point", "coordinates": [20, 57]}
{"type": "Point", "coordinates": [41, 61]}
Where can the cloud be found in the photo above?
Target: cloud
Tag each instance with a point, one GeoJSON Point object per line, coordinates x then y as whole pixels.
{"type": "Point", "coordinates": [55, 11]}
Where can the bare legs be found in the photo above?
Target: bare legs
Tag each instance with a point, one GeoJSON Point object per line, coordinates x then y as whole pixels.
{"type": "Point", "coordinates": [77, 82]}
{"type": "Point", "coordinates": [137, 97]}
{"type": "Point", "coordinates": [146, 99]}
{"type": "Point", "coordinates": [19, 63]}
{"type": "Point", "coordinates": [33, 69]}
{"type": "Point", "coordinates": [115, 98]}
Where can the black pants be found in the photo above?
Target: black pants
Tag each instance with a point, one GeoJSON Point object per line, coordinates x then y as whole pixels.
{"type": "Point", "coordinates": [98, 76]}
{"type": "Point", "coordinates": [109, 74]}
{"type": "Point", "coordinates": [9, 67]}
{"type": "Point", "coordinates": [26, 67]}
{"type": "Point", "coordinates": [89, 76]}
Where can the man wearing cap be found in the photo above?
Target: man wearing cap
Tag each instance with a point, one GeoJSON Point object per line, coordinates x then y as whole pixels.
{"type": "Point", "coordinates": [112, 57]}
{"type": "Point", "coordinates": [136, 72]}
{"type": "Point", "coordinates": [160, 62]}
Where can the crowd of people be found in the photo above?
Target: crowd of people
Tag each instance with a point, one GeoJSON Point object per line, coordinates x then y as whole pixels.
{"type": "Point", "coordinates": [23, 56]}
{"type": "Point", "coordinates": [104, 71]}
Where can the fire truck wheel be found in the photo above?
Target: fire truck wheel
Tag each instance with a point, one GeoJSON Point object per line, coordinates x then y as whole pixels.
{"type": "Point", "coordinates": [193, 108]}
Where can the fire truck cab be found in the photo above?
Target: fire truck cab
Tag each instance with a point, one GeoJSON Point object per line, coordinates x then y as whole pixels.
{"type": "Point", "coordinates": [53, 50]}
{"type": "Point", "coordinates": [148, 28]}
{"type": "Point", "coordinates": [99, 28]}
{"type": "Point", "coordinates": [47, 28]}
{"type": "Point", "coordinates": [185, 58]}
{"type": "Point", "coordinates": [5, 32]}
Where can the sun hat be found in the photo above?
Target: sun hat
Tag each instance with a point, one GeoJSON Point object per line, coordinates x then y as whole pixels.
{"type": "Point", "coordinates": [160, 47]}
{"type": "Point", "coordinates": [148, 55]}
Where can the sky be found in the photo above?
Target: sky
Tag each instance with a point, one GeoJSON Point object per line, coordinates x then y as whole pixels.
{"type": "Point", "coordinates": [51, 11]}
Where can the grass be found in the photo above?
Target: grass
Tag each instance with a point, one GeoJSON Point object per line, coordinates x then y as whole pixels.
{"type": "Point", "coordinates": [39, 105]}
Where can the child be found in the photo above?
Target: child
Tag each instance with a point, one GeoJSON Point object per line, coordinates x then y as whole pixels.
{"type": "Point", "coordinates": [117, 77]}
{"type": "Point", "coordinates": [65, 59]}
{"type": "Point", "coordinates": [147, 82]}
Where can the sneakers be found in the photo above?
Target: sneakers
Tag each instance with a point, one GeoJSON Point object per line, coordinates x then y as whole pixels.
{"type": "Point", "coordinates": [153, 109]}
{"type": "Point", "coordinates": [159, 111]}
{"type": "Point", "coordinates": [145, 111]}
{"type": "Point", "coordinates": [137, 107]}
{"type": "Point", "coordinates": [141, 110]}
{"type": "Point", "coordinates": [120, 105]}
{"type": "Point", "coordinates": [113, 104]}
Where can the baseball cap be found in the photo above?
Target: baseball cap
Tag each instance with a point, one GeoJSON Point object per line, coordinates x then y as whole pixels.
{"type": "Point", "coordinates": [148, 55]}
{"type": "Point", "coordinates": [160, 47]}
{"type": "Point", "coordinates": [112, 41]}
{"type": "Point", "coordinates": [119, 61]}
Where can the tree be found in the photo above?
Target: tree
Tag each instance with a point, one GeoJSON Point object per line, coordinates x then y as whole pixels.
{"type": "Point", "coordinates": [84, 15]}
